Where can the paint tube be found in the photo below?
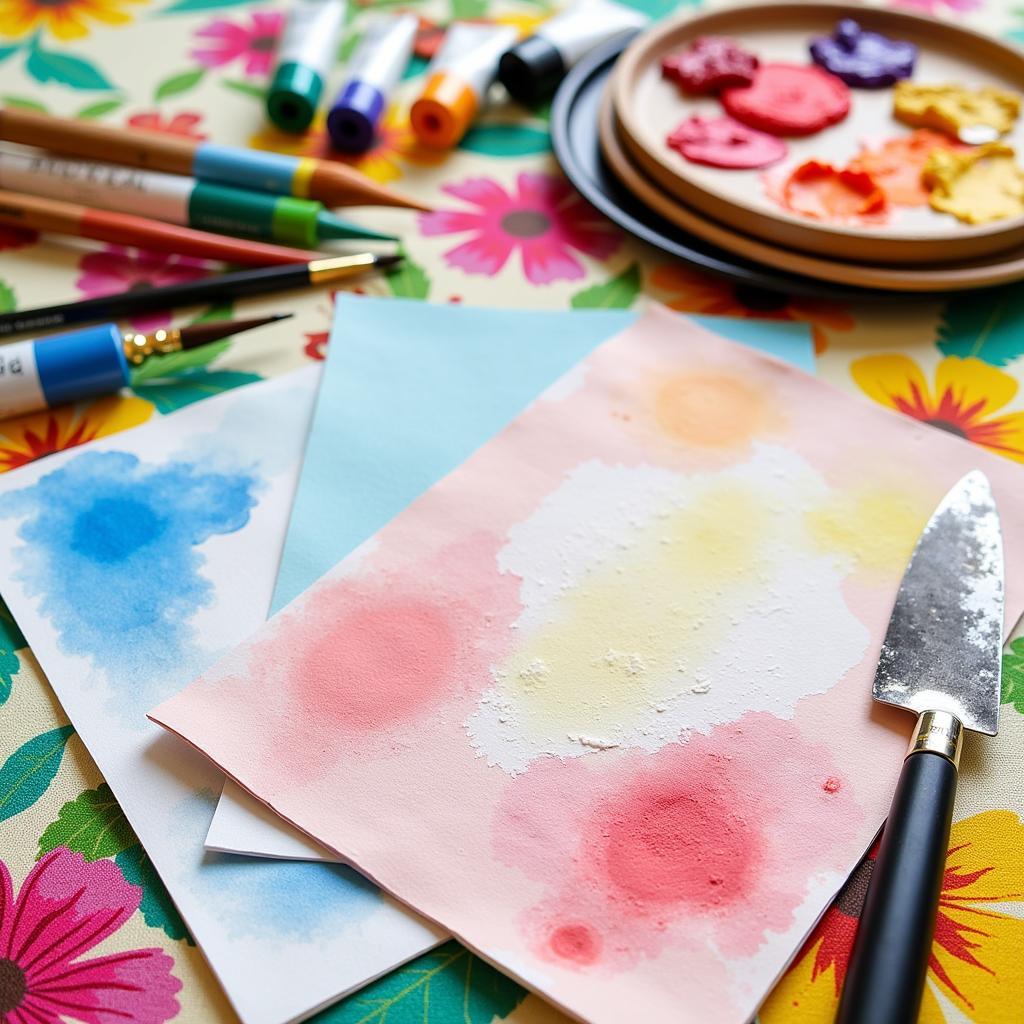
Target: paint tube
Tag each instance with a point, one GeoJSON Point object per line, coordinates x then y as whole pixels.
{"type": "Point", "coordinates": [307, 52]}
{"type": "Point", "coordinates": [372, 74]}
{"type": "Point", "coordinates": [459, 77]}
{"type": "Point", "coordinates": [532, 69]}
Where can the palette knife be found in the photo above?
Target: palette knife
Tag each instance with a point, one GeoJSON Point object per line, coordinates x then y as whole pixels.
{"type": "Point", "coordinates": [942, 660]}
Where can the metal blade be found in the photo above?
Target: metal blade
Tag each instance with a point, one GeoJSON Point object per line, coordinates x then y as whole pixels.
{"type": "Point", "coordinates": [943, 648]}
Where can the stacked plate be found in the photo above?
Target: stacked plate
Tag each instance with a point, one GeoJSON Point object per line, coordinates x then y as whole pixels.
{"type": "Point", "coordinates": [615, 111]}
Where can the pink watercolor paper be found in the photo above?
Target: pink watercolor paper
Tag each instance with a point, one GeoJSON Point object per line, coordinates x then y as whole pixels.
{"type": "Point", "coordinates": [599, 702]}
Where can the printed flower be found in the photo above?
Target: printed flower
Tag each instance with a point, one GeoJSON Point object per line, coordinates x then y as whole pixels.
{"type": "Point", "coordinates": [690, 291]}
{"type": "Point", "coordinates": [66, 19]}
{"type": "Point", "coordinates": [185, 123]}
{"type": "Point", "coordinates": [66, 907]}
{"type": "Point", "coordinates": [966, 396]}
{"type": "Point", "coordinates": [544, 219]}
{"type": "Point", "coordinates": [117, 269]}
{"type": "Point", "coordinates": [938, 8]}
{"type": "Point", "coordinates": [223, 41]}
{"type": "Point", "coordinates": [394, 146]}
{"type": "Point", "coordinates": [24, 439]}
{"type": "Point", "coordinates": [975, 960]}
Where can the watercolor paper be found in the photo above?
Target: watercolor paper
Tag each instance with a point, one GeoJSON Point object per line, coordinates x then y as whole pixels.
{"type": "Point", "coordinates": [599, 702]}
{"type": "Point", "coordinates": [408, 393]}
{"type": "Point", "coordinates": [132, 563]}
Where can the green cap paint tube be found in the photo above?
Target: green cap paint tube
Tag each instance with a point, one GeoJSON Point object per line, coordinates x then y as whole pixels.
{"type": "Point", "coordinates": [308, 50]}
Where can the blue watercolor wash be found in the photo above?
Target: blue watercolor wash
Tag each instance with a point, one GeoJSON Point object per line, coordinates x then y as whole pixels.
{"type": "Point", "coordinates": [109, 545]}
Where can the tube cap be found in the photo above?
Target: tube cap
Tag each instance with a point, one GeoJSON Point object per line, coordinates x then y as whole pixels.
{"type": "Point", "coordinates": [444, 111]}
{"type": "Point", "coordinates": [352, 122]}
{"type": "Point", "coordinates": [531, 70]}
{"type": "Point", "coordinates": [293, 97]}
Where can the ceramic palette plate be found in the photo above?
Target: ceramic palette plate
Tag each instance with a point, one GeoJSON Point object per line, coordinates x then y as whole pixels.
{"type": "Point", "coordinates": [1000, 269]}
{"type": "Point", "coordinates": [649, 107]}
{"type": "Point", "coordinates": [575, 144]}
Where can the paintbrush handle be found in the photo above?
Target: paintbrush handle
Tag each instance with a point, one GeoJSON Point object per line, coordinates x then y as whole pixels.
{"type": "Point", "coordinates": [886, 977]}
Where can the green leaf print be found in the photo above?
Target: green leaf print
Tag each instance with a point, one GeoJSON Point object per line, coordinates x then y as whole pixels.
{"type": "Point", "coordinates": [409, 280]}
{"type": "Point", "coordinates": [156, 907]}
{"type": "Point", "coordinates": [1013, 675]}
{"type": "Point", "coordinates": [467, 10]}
{"type": "Point", "coordinates": [185, 6]}
{"type": "Point", "coordinates": [76, 72]}
{"type": "Point", "coordinates": [506, 140]}
{"type": "Point", "coordinates": [447, 984]}
{"type": "Point", "coordinates": [618, 293]}
{"type": "Point", "coordinates": [9, 51]}
{"type": "Point", "coordinates": [24, 103]}
{"type": "Point", "coordinates": [8, 302]}
{"type": "Point", "coordinates": [989, 326]}
{"type": "Point", "coordinates": [11, 641]}
{"type": "Point", "coordinates": [179, 83]}
{"type": "Point", "coordinates": [192, 386]}
{"type": "Point", "coordinates": [163, 367]}
{"type": "Point", "coordinates": [28, 772]}
{"type": "Point", "coordinates": [256, 92]}
{"type": "Point", "coordinates": [93, 825]}
{"type": "Point", "coordinates": [101, 109]}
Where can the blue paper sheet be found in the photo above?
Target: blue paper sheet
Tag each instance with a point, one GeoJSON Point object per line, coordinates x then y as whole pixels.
{"type": "Point", "coordinates": [410, 390]}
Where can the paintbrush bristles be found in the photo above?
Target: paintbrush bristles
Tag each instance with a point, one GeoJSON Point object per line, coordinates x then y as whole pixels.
{"type": "Point", "coordinates": [195, 335]}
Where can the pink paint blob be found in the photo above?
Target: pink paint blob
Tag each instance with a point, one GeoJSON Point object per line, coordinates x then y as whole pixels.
{"type": "Point", "coordinates": [383, 659]}
{"type": "Point", "coordinates": [673, 843]}
{"type": "Point", "coordinates": [832, 785]}
{"type": "Point", "coordinates": [578, 943]}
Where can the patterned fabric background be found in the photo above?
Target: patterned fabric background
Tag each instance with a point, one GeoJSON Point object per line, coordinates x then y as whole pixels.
{"type": "Point", "coordinates": [507, 231]}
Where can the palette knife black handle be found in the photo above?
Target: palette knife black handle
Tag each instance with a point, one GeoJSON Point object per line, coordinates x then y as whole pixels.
{"type": "Point", "coordinates": [886, 977]}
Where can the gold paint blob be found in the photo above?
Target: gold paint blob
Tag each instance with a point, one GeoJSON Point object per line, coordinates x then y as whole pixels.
{"type": "Point", "coordinates": [951, 108]}
{"type": "Point", "coordinates": [710, 410]}
{"type": "Point", "coordinates": [976, 186]}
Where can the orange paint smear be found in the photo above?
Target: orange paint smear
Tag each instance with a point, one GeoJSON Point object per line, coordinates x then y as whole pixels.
{"type": "Point", "coordinates": [897, 164]}
{"type": "Point", "coordinates": [844, 195]}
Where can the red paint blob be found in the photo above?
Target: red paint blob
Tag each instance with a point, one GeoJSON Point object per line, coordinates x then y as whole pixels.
{"type": "Point", "coordinates": [675, 845]}
{"type": "Point", "coordinates": [383, 660]}
{"type": "Point", "coordinates": [789, 99]}
{"type": "Point", "coordinates": [832, 785]}
{"type": "Point", "coordinates": [576, 942]}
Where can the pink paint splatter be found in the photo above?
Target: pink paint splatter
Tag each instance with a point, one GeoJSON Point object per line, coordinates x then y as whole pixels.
{"type": "Point", "coordinates": [699, 842]}
{"type": "Point", "coordinates": [832, 785]}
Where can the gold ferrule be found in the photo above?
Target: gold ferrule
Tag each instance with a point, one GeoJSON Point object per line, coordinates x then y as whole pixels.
{"type": "Point", "coordinates": [940, 733]}
{"type": "Point", "coordinates": [139, 347]}
{"type": "Point", "coordinates": [336, 268]}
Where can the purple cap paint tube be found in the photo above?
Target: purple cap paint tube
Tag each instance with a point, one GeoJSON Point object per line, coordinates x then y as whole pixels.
{"type": "Point", "coordinates": [371, 75]}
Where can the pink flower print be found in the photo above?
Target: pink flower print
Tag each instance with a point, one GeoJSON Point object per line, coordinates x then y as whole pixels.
{"type": "Point", "coordinates": [938, 7]}
{"type": "Point", "coordinates": [226, 41]}
{"type": "Point", "coordinates": [116, 269]}
{"type": "Point", "coordinates": [544, 219]}
{"type": "Point", "coordinates": [66, 907]}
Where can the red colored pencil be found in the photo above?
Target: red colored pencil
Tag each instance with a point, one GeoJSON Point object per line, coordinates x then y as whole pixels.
{"type": "Point", "coordinates": [24, 211]}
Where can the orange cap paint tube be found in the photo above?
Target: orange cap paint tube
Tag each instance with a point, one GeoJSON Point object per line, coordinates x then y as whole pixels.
{"type": "Point", "coordinates": [459, 76]}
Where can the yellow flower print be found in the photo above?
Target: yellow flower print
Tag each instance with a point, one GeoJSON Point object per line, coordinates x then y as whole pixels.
{"type": "Point", "coordinates": [26, 438]}
{"type": "Point", "coordinates": [979, 932]}
{"type": "Point", "coordinates": [964, 400]}
{"type": "Point", "coordinates": [65, 19]}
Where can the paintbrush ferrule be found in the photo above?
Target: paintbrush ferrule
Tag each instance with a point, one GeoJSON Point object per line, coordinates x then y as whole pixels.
{"type": "Point", "coordinates": [139, 347]}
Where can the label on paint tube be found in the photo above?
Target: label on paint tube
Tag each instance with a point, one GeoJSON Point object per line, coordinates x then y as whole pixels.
{"type": "Point", "coordinates": [311, 34]}
{"type": "Point", "coordinates": [383, 52]}
{"type": "Point", "coordinates": [586, 25]}
{"type": "Point", "coordinates": [20, 390]}
{"type": "Point", "coordinates": [125, 189]}
{"type": "Point", "coordinates": [471, 53]}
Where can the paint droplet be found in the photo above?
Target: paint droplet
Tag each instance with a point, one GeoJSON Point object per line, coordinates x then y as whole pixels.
{"type": "Point", "coordinates": [576, 942]}
{"type": "Point", "coordinates": [700, 688]}
{"type": "Point", "coordinates": [832, 785]}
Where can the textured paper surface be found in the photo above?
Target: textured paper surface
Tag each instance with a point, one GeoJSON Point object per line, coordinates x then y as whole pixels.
{"type": "Point", "coordinates": [133, 563]}
{"type": "Point", "coordinates": [600, 702]}
{"type": "Point", "coordinates": [408, 392]}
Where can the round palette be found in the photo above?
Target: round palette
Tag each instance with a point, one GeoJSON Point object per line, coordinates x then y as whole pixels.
{"type": "Point", "coordinates": [1001, 269]}
{"type": "Point", "coordinates": [649, 108]}
{"type": "Point", "coordinates": [575, 144]}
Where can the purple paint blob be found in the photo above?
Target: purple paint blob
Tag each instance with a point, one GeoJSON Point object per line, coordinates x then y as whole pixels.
{"type": "Point", "coordinates": [866, 60]}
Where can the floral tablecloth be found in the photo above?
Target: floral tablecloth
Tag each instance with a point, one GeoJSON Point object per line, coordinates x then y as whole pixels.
{"type": "Point", "coordinates": [507, 231]}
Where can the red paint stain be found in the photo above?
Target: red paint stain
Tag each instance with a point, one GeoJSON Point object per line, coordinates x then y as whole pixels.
{"type": "Point", "coordinates": [671, 845]}
{"type": "Point", "coordinates": [383, 660]}
{"type": "Point", "coordinates": [832, 785]}
{"type": "Point", "coordinates": [577, 943]}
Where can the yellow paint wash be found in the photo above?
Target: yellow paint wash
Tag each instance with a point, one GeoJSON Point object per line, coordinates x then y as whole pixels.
{"type": "Point", "coordinates": [614, 642]}
{"type": "Point", "coordinates": [875, 527]}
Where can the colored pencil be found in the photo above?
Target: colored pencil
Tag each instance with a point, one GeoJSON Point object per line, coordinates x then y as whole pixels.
{"type": "Point", "coordinates": [18, 209]}
{"type": "Point", "coordinates": [257, 281]}
{"type": "Point", "coordinates": [332, 183]}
